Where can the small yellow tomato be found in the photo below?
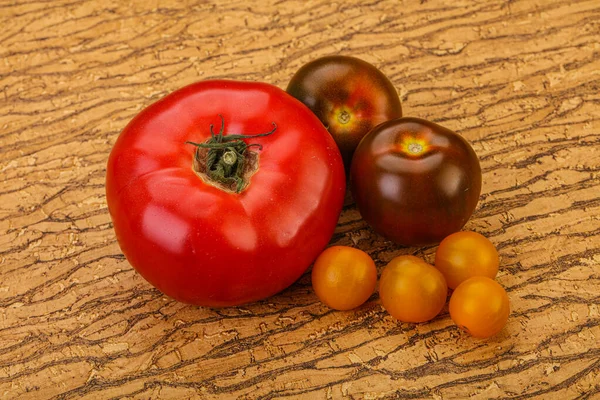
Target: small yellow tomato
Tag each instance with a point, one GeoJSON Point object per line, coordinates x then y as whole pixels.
{"type": "Point", "coordinates": [480, 306]}
{"type": "Point", "coordinates": [344, 277]}
{"type": "Point", "coordinates": [463, 255]}
{"type": "Point", "coordinates": [412, 290]}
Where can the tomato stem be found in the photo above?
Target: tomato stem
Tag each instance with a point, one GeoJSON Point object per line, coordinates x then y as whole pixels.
{"type": "Point", "coordinates": [229, 157]}
{"type": "Point", "coordinates": [225, 161]}
{"type": "Point", "coordinates": [415, 148]}
{"type": "Point", "coordinates": [343, 117]}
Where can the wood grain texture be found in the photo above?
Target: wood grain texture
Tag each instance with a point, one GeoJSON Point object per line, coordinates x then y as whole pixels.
{"type": "Point", "coordinates": [519, 79]}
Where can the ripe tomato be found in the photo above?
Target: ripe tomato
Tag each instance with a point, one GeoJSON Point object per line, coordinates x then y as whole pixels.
{"type": "Point", "coordinates": [480, 306]}
{"type": "Point", "coordinates": [463, 255]}
{"type": "Point", "coordinates": [349, 95]}
{"type": "Point", "coordinates": [246, 237]}
{"type": "Point", "coordinates": [344, 277]}
{"type": "Point", "coordinates": [412, 290]}
{"type": "Point", "coordinates": [415, 182]}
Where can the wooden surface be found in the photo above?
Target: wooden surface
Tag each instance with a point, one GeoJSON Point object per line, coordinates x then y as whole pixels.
{"type": "Point", "coordinates": [519, 79]}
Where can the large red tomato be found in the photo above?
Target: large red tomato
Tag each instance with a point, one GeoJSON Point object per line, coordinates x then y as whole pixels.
{"type": "Point", "coordinates": [237, 218]}
{"type": "Point", "coordinates": [415, 182]}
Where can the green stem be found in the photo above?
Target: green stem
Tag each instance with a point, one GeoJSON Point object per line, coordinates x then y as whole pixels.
{"type": "Point", "coordinates": [226, 157]}
{"type": "Point", "coordinates": [229, 157]}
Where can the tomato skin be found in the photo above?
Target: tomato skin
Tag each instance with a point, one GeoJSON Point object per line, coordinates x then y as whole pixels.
{"type": "Point", "coordinates": [349, 95]}
{"type": "Point", "coordinates": [412, 290]}
{"type": "Point", "coordinates": [463, 255]}
{"type": "Point", "coordinates": [344, 277]}
{"type": "Point", "coordinates": [480, 307]}
{"type": "Point", "coordinates": [415, 182]}
{"type": "Point", "coordinates": [202, 245]}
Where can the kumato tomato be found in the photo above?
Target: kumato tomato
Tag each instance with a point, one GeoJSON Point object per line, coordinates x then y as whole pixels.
{"type": "Point", "coordinates": [480, 307]}
{"type": "Point", "coordinates": [412, 290]}
{"type": "Point", "coordinates": [463, 255]}
{"type": "Point", "coordinates": [349, 95]}
{"type": "Point", "coordinates": [344, 277]}
{"type": "Point", "coordinates": [415, 182]}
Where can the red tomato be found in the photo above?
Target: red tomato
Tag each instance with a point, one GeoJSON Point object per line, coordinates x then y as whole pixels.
{"type": "Point", "coordinates": [202, 242]}
{"type": "Point", "coordinates": [415, 182]}
{"type": "Point", "coordinates": [463, 255]}
{"type": "Point", "coordinates": [344, 277]}
{"type": "Point", "coordinates": [349, 95]}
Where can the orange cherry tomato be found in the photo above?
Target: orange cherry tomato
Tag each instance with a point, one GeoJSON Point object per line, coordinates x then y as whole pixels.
{"type": "Point", "coordinates": [480, 307]}
{"type": "Point", "coordinates": [344, 277]}
{"type": "Point", "coordinates": [412, 290]}
{"type": "Point", "coordinates": [463, 255]}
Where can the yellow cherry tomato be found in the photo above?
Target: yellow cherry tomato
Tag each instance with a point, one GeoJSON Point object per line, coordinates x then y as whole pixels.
{"type": "Point", "coordinates": [463, 255]}
{"type": "Point", "coordinates": [412, 290]}
{"type": "Point", "coordinates": [344, 277]}
{"type": "Point", "coordinates": [480, 306]}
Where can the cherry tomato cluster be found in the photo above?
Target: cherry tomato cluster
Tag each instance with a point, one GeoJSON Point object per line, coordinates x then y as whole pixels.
{"type": "Point", "coordinates": [412, 290]}
{"type": "Point", "coordinates": [415, 183]}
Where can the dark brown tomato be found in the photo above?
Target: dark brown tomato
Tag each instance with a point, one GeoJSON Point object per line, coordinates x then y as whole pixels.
{"type": "Point", "coordinates": [415, 182]}
{"type": "Point", "coordinates": [349, 95]}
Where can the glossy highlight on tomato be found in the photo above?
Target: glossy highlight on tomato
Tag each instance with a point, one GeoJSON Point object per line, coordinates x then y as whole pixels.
{"type": "Point", "coordinates": [350, 96]}
{"type": "Point", "coordinates": [415, 182]}
{"type": "Point", "coordinates": [220, 244]}
{"type": "Point", "coordinates": [344, 277]}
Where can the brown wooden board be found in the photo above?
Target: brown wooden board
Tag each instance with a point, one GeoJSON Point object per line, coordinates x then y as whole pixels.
{"type": "Point", "coordinates": [519, 79]}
